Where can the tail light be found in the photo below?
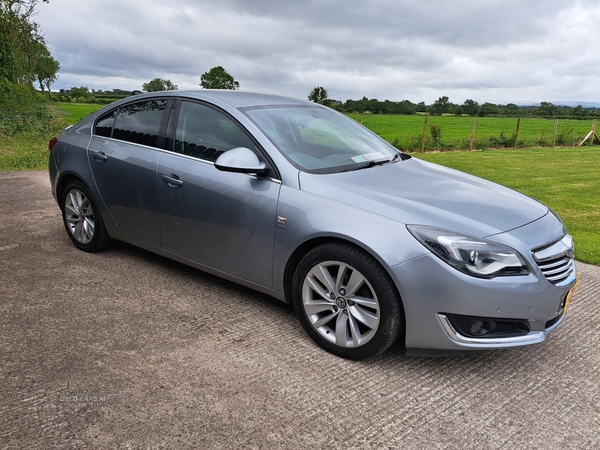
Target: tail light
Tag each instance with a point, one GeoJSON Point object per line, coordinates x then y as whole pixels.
{"type": "Point", "coordinates": [52, 143]}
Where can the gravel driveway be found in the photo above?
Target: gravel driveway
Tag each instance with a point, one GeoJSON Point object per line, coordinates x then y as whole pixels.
{"type": "Point", "coordinates": [125, 349]}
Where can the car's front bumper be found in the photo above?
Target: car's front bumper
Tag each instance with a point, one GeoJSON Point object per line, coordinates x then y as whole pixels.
{"type": "Point", "coordinates": [432, 292]}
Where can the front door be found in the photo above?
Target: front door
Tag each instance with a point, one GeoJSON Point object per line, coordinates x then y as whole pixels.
{"type": "Point", "coordinates": [222, 220]}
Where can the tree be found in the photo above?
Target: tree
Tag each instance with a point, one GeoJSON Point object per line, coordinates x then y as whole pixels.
{"type": "Point", "coordinates": [488, 109]}
{"type": "Point", "coordinates": [422, 107]}
{"type": "Point", "coordinates": [578, 111]}
{"type": "Point", "coordinates": [512, 109]}
{"type": "Point", "coordinates": [24, 56]}
{"type": "Point", "coordinates": [405, 107]}
{"type": "Point", "coordinates": [318, 95]}
{"type": "Point", "coordinates": [8, 68]}
{"type": "Point", "coordinates": [547, 109]}
{"type": "Point", "coordinates": [442, 105]}
{"type": "Point", "coordinates": [158, 84]}
{"type": "Point", "coordinates": [218, 78]}
{"type": "Point", "coordinates": [21, 8]}
{"type": "Point", "coordinates": [80, 94]}
{"type": "Point", "coordinates": [47, 71]}
{"type": "Point", "coordinates": [470, 107]}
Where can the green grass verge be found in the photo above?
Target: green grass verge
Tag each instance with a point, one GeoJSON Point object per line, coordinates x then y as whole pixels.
{"type": "Point", "coordinates": [23, 153]}
{"type": "Point", "coordinates": [565, 179]}
{"type": "Point", "coordinates": [29, 151]}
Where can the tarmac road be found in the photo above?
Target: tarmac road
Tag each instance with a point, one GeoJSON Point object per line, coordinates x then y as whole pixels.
{"type": "Point", "coordinates": [125, 349]}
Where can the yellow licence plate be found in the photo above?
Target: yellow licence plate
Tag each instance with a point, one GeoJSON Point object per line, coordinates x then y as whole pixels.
{"type": "Point", "coordinates": [571, 293]}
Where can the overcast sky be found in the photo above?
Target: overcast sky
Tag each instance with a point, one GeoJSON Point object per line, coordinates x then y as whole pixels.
{"type": "Point", "coordinates": [496, 51]}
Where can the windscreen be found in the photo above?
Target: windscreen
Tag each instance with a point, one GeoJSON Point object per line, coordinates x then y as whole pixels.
{"type": "Point", "coordinates": [317, 139]}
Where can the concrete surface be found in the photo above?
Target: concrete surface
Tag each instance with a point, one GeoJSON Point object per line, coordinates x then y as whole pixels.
{"type": "Point", "coordinates": [180, 359]}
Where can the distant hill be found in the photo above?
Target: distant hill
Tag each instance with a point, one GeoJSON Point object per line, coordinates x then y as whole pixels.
{"type": "Point", "coordinates": [571, 104]}
{"type": "Point", "coordinates": [584, 104]}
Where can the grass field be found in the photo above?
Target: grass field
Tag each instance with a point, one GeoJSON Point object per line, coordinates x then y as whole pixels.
{"type": "Point", "coordinates": [77, 111]}
{"type": "Point", "coordinates": [490, 132]}
{"type": "Point", "coordinates": [565, 179]}
{"type": "Point", "coordinates": [407, 131]}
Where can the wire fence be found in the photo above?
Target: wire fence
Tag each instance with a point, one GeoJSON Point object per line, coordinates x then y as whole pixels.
{"type": "Point", "coordinates": [439, 133]}
{"type": "Point", "coordinates": [411, 133]}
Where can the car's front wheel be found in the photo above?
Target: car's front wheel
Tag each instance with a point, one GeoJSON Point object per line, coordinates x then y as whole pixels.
{"type": "Point", "coordinates": [82, 218]}
{"type": "Point", "coordinates": [346, 301]}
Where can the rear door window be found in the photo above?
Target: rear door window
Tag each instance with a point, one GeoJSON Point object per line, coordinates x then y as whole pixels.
{"type": "Point", "coordinates": [104, 126]}
{"type": "Point", "coordinates": [138, 123]}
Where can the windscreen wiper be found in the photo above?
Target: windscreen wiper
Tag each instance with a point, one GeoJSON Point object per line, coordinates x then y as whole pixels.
{"type": "Point", "coordinates": [381, 162]}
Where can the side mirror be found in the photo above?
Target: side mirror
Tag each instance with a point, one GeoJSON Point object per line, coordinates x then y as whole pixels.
{"type": "Point", "coordinates": [240, 160]}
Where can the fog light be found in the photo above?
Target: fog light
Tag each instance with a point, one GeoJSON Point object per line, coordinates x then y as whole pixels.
{"type": "Point", "coordinates": [487, 327]}
{"type": "Point", "coordinates": [480, 327]}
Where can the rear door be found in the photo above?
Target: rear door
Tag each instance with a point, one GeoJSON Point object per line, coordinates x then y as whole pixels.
{"type": "Point", "coordinates": [123, 156]}
{"type": "Point", "coordinates": [222, 220]}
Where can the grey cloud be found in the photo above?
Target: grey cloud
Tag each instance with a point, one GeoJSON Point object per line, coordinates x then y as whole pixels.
{"type": "Point", "coordinates": [386, 49]}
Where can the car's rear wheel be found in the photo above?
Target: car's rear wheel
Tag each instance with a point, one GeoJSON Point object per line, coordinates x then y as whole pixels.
{"type": "Point", "coordinates": [82, 218]}
{"type": "Point", "coordinates": [346, 301]}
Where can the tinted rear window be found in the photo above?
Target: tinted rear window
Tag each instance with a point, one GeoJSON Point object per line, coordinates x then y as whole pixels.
{"type": "Point", "coordinates": [105, 124]}
{"type": "Point", "coordinates": [138, 122]}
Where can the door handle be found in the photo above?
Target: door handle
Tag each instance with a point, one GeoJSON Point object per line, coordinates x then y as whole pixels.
{"type": "Point", "coordinates": [99, 156]}
{"type": "Point", "coordinates": [172, 180]}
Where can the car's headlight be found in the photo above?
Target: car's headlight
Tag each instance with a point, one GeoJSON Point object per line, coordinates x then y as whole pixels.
{"type": "Point", "coordinates": [473, 256]}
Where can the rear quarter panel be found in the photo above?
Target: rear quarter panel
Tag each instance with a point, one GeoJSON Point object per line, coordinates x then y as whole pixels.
{"type": "Point", "coordinates": [69, 161]}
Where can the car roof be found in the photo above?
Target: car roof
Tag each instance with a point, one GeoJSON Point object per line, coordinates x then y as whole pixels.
{"type": "Point", "coordinates": [236, 99]}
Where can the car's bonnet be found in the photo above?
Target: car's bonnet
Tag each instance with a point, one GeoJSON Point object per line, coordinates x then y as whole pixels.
{"type": "Point", "coordinates": [417, 192]}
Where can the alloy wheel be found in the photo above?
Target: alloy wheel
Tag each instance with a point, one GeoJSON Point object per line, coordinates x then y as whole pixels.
{"type": "Point", "coordinates": [79, 216]}
{"type": "Point", "coordinates": [340, 304]}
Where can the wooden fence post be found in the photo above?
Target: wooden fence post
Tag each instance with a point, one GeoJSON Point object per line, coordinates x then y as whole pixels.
{"type": "Point", "coordinates": [554, 134]}
{"type": "Point", "coordinates": [472, 133]}
{"type": "Point", "coordinates": [424, 134]}
{"type": "Point", "coordinates": [591, 135]}
{"type": "Point", "coordinates": [517, 133]}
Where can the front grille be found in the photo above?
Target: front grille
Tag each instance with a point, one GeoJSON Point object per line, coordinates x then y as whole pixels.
{"type": "Point", "coordinates": [557, 270]}
{"type": "Point", "coordinates": [556, 260]}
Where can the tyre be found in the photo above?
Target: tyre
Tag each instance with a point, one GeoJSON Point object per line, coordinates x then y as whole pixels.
{"type": "Point", "coordinates": [346, 301]}
{"type": "Point", "coordinates": [82, 218]}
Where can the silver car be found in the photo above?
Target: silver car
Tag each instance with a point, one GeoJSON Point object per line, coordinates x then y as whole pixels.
{"type": "Point", "coordinates": [302, 203]}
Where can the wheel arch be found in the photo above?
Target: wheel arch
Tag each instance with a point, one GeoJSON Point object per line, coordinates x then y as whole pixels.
{"type": "Point", "coordinates": [307, 246]}
{"type": "Point", "coordinates": [63, 181]}
{"type": "Point", "coordinates": [361, 258]}
{"type": "Point", "coordinates": [66, 178]}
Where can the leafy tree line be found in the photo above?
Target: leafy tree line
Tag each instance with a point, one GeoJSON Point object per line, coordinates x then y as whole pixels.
{"type": "Point", "coordinates": [215, 78]}
{"type": "Point", "coordinates": [84, 94]}
{"type": "Point", "coordinates": [443, 106]}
